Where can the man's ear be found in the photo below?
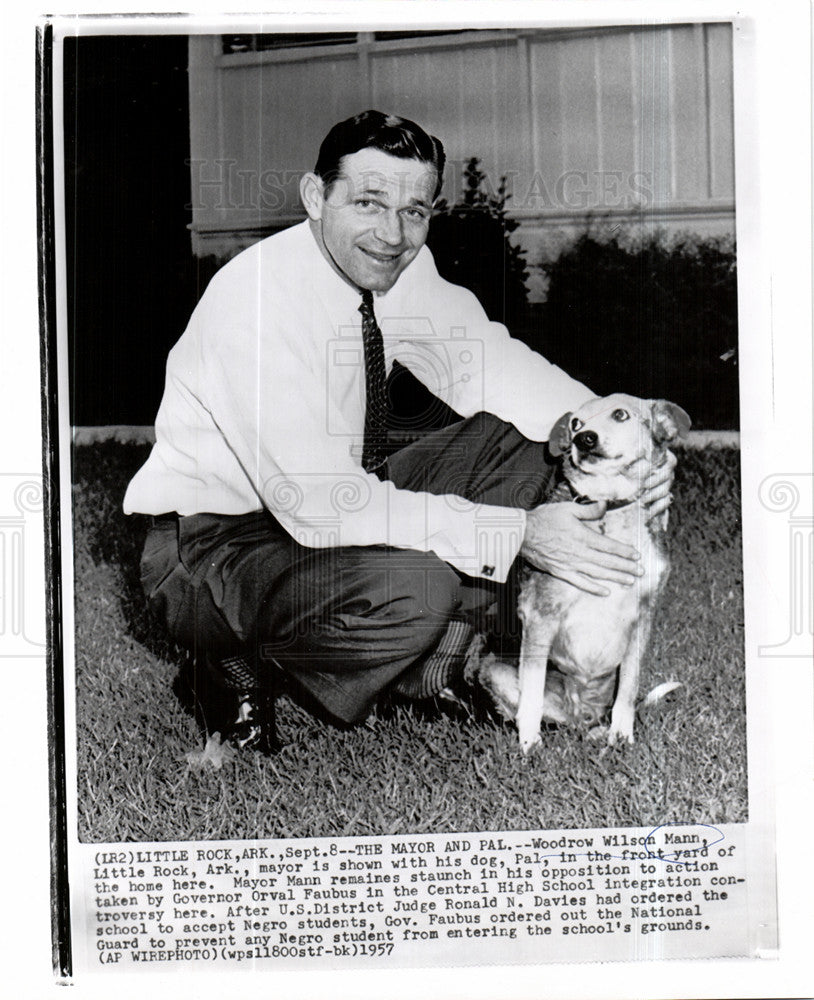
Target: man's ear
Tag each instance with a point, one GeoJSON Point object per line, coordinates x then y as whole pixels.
{"type": "Point", "coordinates": [669, 421]}
{"type": "Point", "coordinates": [312, 194]}
{"type": "Point", "coordinates": [559, 440]}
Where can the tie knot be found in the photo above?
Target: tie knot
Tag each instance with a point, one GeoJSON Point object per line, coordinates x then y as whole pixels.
{"type": "Point", "coordinates": [366, 308]}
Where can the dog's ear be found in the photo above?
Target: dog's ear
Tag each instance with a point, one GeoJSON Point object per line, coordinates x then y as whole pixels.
{"type": "Point", "coordinates": [559, 440]}
{"type": "Point", "coordinates": [669, 421]}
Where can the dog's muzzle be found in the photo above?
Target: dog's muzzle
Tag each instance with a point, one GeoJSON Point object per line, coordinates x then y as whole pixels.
{"type": "Point", "coordinates": [586, 441]}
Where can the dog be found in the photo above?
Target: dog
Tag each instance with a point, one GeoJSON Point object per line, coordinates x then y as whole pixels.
{"type": "Point", "coordinates": [608, 447]}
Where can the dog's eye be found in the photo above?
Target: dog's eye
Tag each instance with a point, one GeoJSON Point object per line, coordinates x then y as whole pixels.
{"type": "Point", "coordinates": [576, 423]}
{"type": "Point", "coordinates": [620, 415]}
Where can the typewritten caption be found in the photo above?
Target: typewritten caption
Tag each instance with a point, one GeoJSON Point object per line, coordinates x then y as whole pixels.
{"type": "Point", "coordinates": [676, 891]}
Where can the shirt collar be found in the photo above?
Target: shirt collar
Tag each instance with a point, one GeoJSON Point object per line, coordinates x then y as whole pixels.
{"type": "Point", "coordinates": [338, 297]}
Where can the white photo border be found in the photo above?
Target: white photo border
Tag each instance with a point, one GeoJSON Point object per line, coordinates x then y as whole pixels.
{"type": "Point", "coordinates": [776, 393]}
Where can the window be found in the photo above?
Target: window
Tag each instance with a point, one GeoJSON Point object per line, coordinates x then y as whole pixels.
{"type": "Point", "coordinates": [267, 43]}
{"type": "Point", "coordinates": [233, 44]}
{"type": "Point", "coordinates": [392, 36]}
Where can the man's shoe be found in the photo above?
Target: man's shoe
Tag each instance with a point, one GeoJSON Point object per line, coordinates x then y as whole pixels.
{"type": "Point", "coordinates": [253, 724]}
{"type": "Point", "coordinates": [247, 718]}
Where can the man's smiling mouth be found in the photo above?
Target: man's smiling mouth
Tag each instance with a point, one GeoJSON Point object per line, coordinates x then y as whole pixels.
{"type": "Point", "coordinates": [381, 258]}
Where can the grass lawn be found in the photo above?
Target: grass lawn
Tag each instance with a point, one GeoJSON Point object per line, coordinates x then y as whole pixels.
{"type": "Point", "coordinates": [414, 769]}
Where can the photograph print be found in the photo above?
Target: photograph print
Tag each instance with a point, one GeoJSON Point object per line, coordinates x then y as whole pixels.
{"type": "Point", "coordinates": [403, 383]}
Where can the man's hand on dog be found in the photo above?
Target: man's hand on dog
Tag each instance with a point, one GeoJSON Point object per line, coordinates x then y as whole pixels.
{"type": "Point", "coordinates": [560, 540]}
{"type": "Point", "coordinates": [657, 497]}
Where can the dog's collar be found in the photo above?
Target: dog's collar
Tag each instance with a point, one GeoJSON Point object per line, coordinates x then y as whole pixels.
{"type": "Point", "coordinates": [611, 504]}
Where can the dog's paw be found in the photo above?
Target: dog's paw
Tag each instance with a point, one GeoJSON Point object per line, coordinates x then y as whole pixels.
{"type": "Point", "coordinates": [530, 743]}
{"type": "Point", "coordinates": [500, 681]}
{"type": "Point", "coordinates": [620, 734]}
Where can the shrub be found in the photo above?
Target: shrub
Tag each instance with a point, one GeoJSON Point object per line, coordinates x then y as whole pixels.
{"type": "Point", "coordinates": [649, 315]}
{"type": "Point", "coordinates": [471, 245]}
{"type": "Point", "coordinates": [654, 318]}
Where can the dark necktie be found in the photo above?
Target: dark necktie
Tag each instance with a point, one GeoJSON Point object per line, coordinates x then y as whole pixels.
{"type": "Point", "coordinates": [374, 449]}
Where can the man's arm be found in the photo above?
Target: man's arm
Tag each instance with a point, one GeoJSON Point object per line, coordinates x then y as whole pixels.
{"type": "Point", "coordinates": [282, 424]}
{"type": "Point", "coordinates": [474, 364]}
{"type": "Point", "coordinates": [440, 331]}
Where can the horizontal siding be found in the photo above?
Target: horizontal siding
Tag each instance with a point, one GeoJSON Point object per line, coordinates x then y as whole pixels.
{"type": "Point", "coordinates": [477, 116]}
{"type": "Point", "coordinates": [720, 102]}
{"type": "Point", "coordinates": [602, 121]}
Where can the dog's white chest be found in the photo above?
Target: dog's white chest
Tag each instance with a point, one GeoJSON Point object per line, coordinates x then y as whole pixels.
{"type": "Point", "coordinates": [589, 634]}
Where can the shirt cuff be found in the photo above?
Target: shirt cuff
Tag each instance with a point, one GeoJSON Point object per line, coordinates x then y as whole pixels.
{"type": "Point", "coordinates": [498, 533]}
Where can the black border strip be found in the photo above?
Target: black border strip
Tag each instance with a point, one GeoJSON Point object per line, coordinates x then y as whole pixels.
{"type": "Point", "coordinates": [60, 898]}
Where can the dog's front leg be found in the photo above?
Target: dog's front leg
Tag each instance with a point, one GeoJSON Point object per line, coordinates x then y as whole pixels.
{"type": "Point", "coordinates": [624, 707]}
{"type": "Point", "coordinates": [536, 645]}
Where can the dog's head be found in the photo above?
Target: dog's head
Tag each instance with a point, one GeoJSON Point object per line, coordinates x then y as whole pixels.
{"type": "Point", "coordinates": [609, 445]}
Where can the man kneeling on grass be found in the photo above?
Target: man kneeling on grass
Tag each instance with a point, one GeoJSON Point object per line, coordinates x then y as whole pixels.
{"type": "Point", "coordinates": [285, 533]}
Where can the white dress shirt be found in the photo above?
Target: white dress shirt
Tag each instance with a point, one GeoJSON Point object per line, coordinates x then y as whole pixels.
{"type": "Point", "coordinates": [264, 404]}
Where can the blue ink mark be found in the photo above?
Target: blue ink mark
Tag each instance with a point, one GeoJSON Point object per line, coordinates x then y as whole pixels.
{"type": "Point", "coordinates": [690, 850]}
{"type": "Point", "coordinates": [671, 859]}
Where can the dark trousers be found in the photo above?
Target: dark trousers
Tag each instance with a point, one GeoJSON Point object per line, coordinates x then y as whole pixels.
{"type": "Point", "coordinates": [345, 622]}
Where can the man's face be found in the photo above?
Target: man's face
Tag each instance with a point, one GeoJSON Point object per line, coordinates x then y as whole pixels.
{"type": "Point", "coordinates": [375, 217]}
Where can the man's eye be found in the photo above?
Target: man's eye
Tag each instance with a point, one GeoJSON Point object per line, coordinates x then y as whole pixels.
{"type": "Point", "coordinates": [366, 205]}
{"type": "Point", "coordinates": [415, 214]}
{"type": "Point", "coordinates": [576, 423]}
{"type": "Point", "coordinates": [620, 415]}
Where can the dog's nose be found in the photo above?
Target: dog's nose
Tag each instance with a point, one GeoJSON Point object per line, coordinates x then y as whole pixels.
{"type": "Point", "coordinates": [586, 440]}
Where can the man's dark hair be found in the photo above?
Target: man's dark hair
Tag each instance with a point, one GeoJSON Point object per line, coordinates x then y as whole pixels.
{"type": "Point", "coordinates": [376, 130]}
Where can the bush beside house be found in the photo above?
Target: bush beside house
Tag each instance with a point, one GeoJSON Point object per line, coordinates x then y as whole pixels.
{"type": "Point", "coordinates": [632, 311]}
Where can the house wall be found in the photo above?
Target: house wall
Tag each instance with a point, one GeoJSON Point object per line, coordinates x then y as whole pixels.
{"type": "Point", "coordinates": [633, 125]}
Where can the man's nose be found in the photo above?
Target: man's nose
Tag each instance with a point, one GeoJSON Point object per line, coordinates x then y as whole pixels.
{"type": "Point", "coordinates": [388, 229]}
{"type": "Point", "coordinates": [586, 440]}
